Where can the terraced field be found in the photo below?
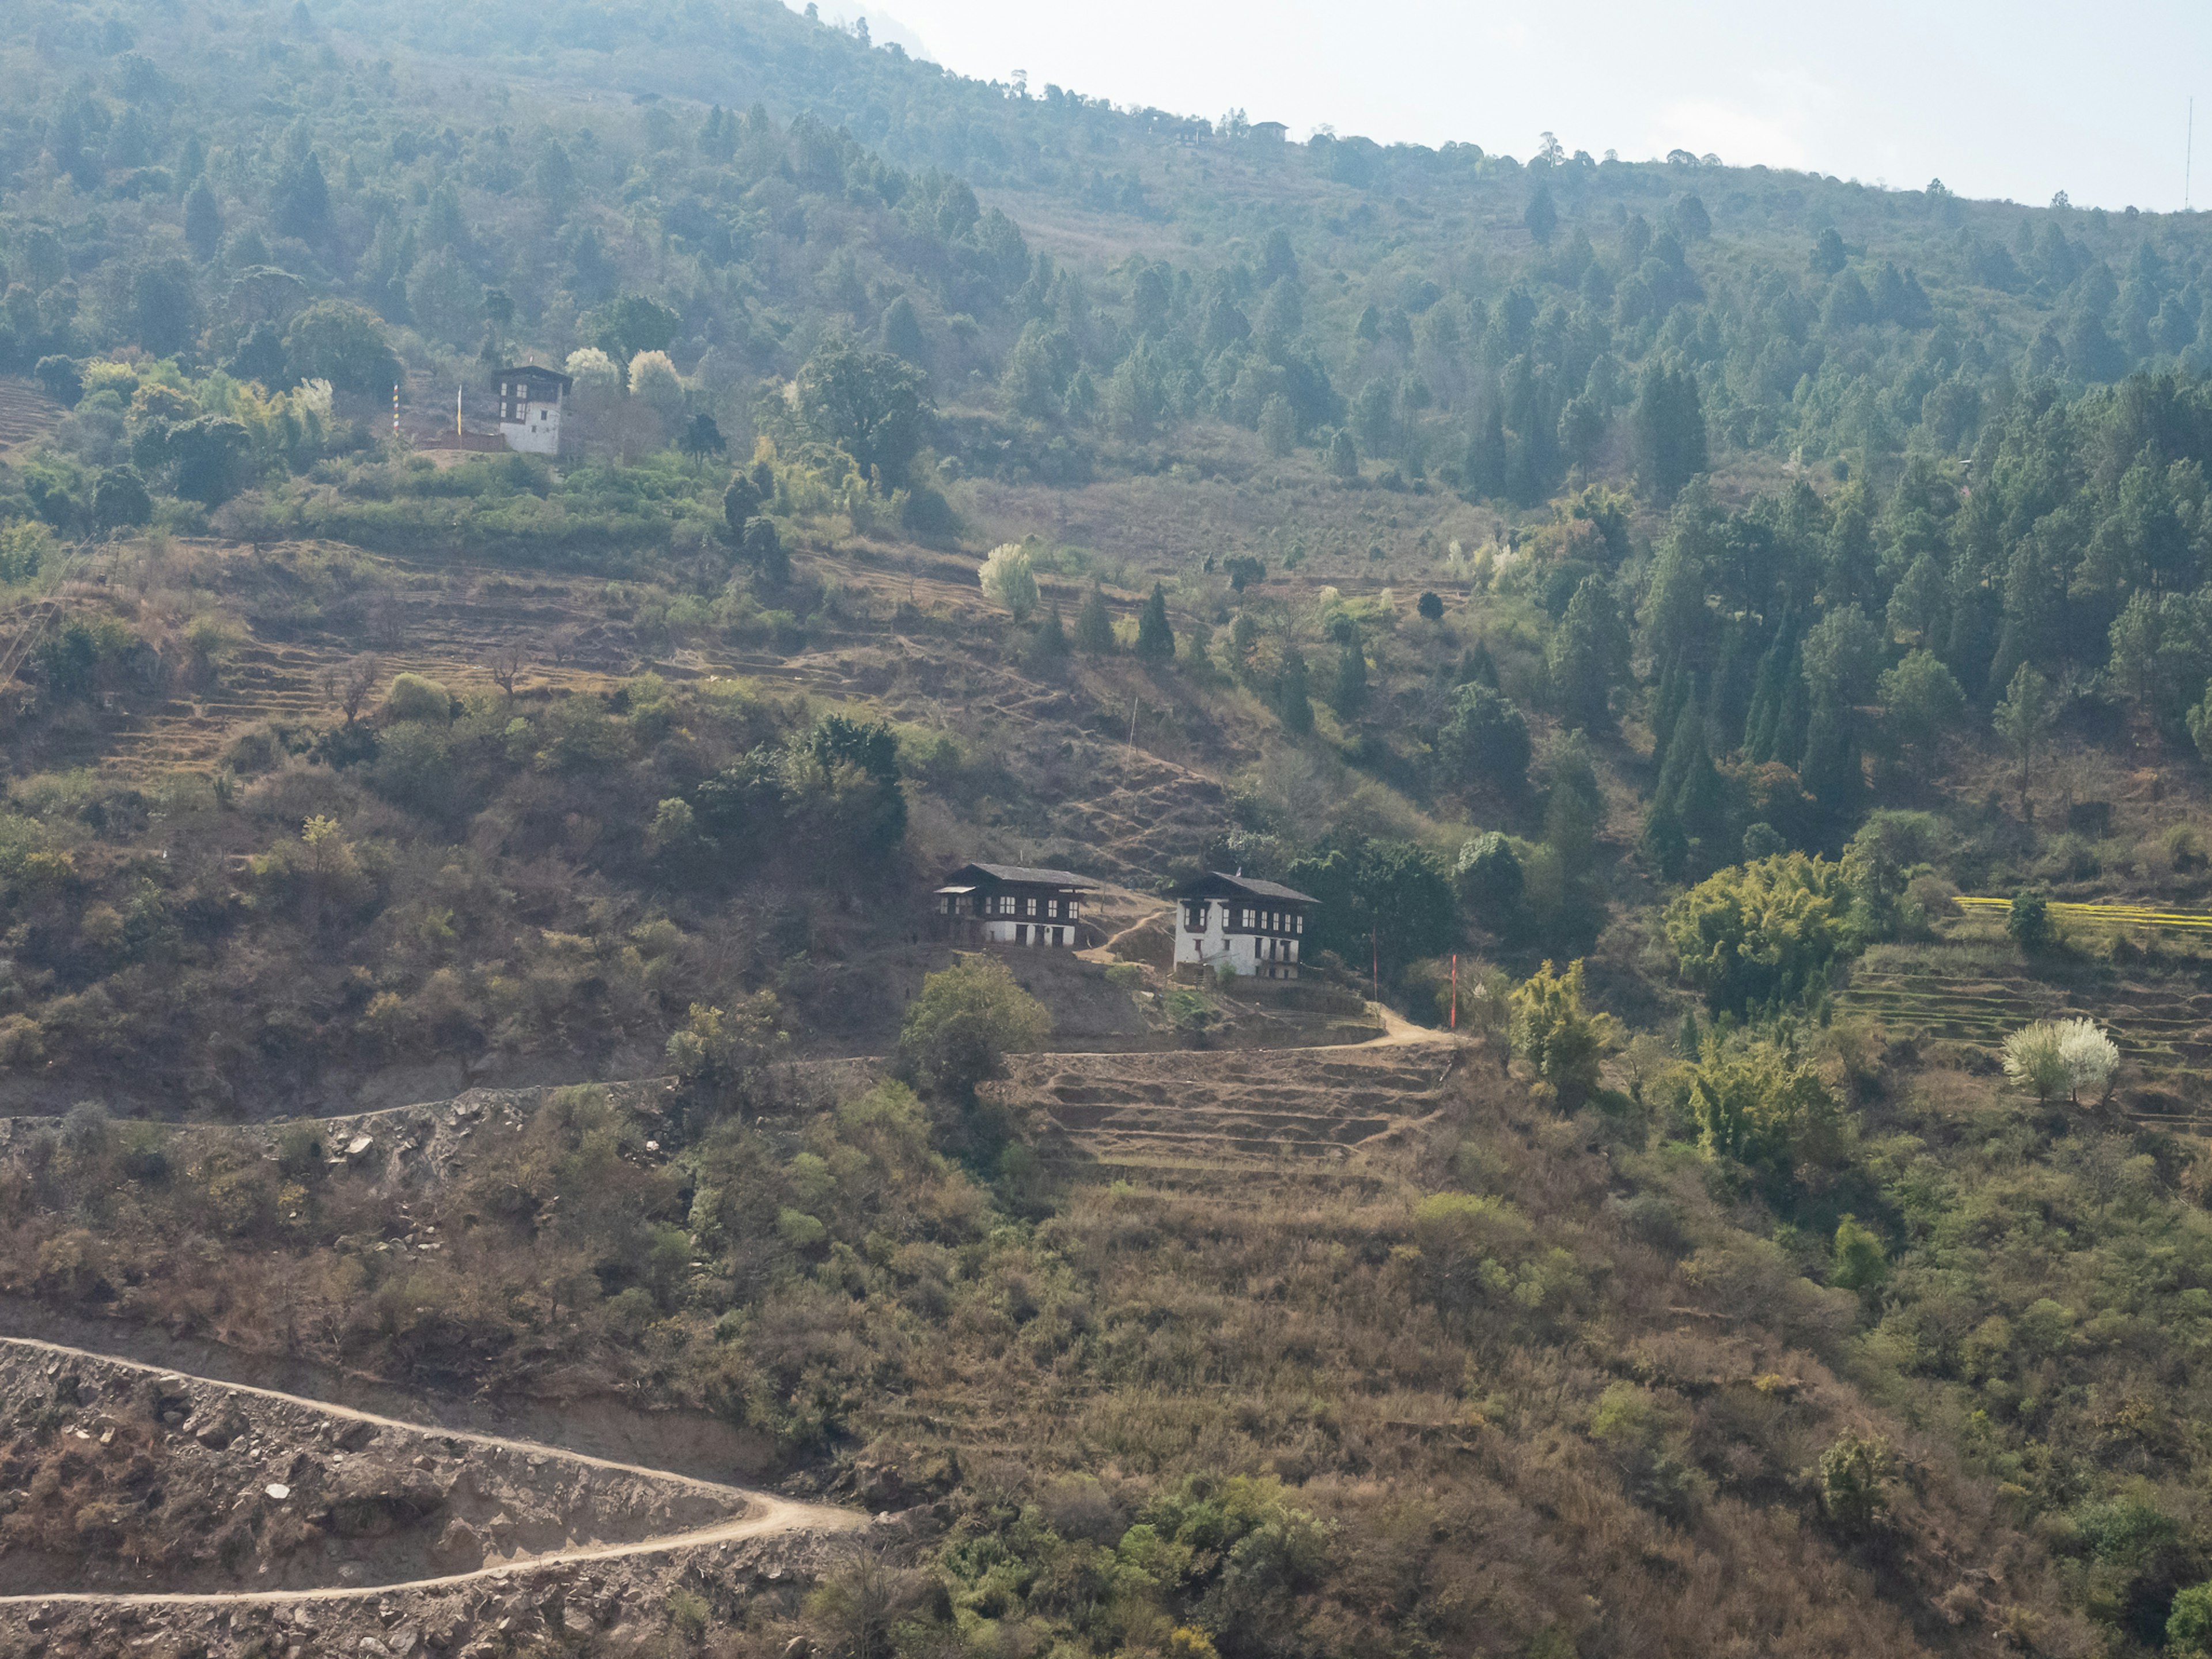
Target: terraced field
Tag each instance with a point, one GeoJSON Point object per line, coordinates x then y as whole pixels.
{"type": "Point", "coordinates": [2163, 1025]}
{"type": "Point", "coordinates": [1285, 1111]}
{"type": "Point", "coordinates": [26, 412]}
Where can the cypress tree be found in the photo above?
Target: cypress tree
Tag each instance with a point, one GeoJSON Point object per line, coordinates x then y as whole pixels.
{"type": "Point", "coordinates": [1052, 645]}
{"type": "Point", "coordinates": [1094, 626]}
{"type": "Point", "coordinates": [1348, 696]}
{"type": "Point", "coordinates": [1155, 639]}
{"type": "Point", "coordinates": [1791, 722]}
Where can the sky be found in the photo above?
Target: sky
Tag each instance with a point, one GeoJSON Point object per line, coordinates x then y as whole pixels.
{"type": "Point", "coordinates": [2017, 101]}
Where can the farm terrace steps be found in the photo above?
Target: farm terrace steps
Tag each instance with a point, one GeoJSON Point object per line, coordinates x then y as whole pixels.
{"type": "Point", "coordinates": [2166, 1031]}
{"type": "Point", "coordinates": [25, 411]}
{"type": "Point", "coordinates": [1195, 1111]}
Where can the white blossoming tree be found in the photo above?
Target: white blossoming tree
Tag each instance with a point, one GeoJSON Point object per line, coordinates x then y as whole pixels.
{"type": "Point", "coordinates": [2071, 1054]}
{"type": "Point", "coordinates": [1009, 581]}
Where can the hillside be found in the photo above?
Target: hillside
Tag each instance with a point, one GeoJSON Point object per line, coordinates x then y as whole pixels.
{"type": "Point", "coordinates": [1726, 652]}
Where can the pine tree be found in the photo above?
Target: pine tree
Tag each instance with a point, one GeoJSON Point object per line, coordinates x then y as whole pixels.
{"type": "Point", "coordinates": [1094, 625]}
{"type": "Point", "coordinates": [1155, 638]}
{"type": "Point", "coordinates": [1051, 645]}
{"type": "Point", "coordinates": [1348, 696]}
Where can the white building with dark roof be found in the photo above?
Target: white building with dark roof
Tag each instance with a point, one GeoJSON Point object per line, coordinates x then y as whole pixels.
{"type": "Point", "coordinates": [1013, 904]}
{"type": "Point", "coordinates": [1256, 928]}
{"type": "Point", "coordinates": [531, 400]}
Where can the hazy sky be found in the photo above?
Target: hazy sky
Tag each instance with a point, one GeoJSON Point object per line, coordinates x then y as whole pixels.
{"type": "Point", "coordinates": [2017, 99]}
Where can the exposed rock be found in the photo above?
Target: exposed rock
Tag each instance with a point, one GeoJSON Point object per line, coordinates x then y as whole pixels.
{"type": "Point", "coordinates": [459, 1549]}
{"type": "Point", "coordinates": [225, 1427]}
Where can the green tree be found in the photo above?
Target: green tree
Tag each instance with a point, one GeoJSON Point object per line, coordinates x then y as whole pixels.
{"type": "Point", "coordinates": [725, 1059]}
{"type": "Point", "coordinates": [700, 437]}
{"type": "Point", "coordinates": [1490, 878]}
{"type": "Point", "coordinates": [902, 332]}
{"type": "Point", "coordinates": [1347, 693]}
{"type": "Point", "coordinates": [2189, 1626]}
{"type": "Point", "coordinates": [959, 1029]}
{"type": "Point", "coordinates": [1668, 424]}
{"type": "Point", "coordinates": [1344, 457]}
{"type": "Point", "coordinates": [1758, 1105]}
{"type": "Point", "coordinates": [203, 221]}
{"type": "Point", "coordinates": [1558, 1035]}
{"type": "Point", "coordinates": [1485, 741]}
{"type": "Point", "coordinates": [741, 505]}
{"type": "Point", "coordinates": [874, 406]}
{"type": "Point", "coordinates": [1588, 654]}
{"type": "Point", "coordinates": [1278, 425]}
{"type": "Point", "coordinates": [625, 326]}
{"type": "Point", "coordinates": [345, 343]}
{"type": "Point", "coordinates": [1860, 1262]}
{"type": "Point", "coordinates": [2023, 719]}
{"type": "Point", "coordinates": [1155, 638]}
{"type": "Point", "coordinates": [1761, 932]}
{"type": "Point", "coordinates": [1921, 701]}
{"type": "Point", "coordinates": [1540, 218]}
{"type": "Point", "coordinates": [119, 499]}
{"type": "Point", "coordinates": [1094, 624]}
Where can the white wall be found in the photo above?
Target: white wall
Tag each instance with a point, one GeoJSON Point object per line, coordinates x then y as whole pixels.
{"type": "Point", "coordinates": [538, 431]}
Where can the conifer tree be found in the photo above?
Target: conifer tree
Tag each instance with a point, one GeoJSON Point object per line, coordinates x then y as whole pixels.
{"type": "Point", "coordinates": [1348, 696]}
{"type": "Point", "coordinates": [1293, 703]}
{"type": "Point", "coordinates": [1094, 625]}
{"type": "Point", "coordinates": [1155, 638]}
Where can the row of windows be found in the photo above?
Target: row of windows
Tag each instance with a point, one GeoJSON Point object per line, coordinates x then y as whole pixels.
{"type": "Point", "coordinates": [1242, 918]}
{"type": "Point", "coordinates": [1012, 904]}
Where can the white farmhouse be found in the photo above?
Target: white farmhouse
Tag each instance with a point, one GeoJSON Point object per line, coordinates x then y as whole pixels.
{"type": "Point", "coordinates": [1013, 904]}
{"type": "Point", "coordinates": [1256, 928]}
{"type": "Point", "coordinates": [531, 400]}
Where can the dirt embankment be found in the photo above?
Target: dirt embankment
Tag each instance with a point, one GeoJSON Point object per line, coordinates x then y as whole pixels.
{"type": "Point", "coordinates": [117, 1477]}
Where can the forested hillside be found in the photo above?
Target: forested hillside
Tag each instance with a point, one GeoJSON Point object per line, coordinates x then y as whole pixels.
{"type": "Point", "coordinates": [1728, 652]}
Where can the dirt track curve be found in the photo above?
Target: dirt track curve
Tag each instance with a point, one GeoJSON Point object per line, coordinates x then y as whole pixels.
{"type": "Point", "coordinates": [761, 1513]}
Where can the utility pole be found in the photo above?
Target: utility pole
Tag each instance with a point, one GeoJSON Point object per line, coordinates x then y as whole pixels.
{"type": "Point", "coordinates": [2188, 155]}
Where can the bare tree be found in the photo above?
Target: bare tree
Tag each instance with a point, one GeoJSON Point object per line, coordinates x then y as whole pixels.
{"type": "Point", "coordinates": [350, 683]}
{"type": "Point", "coordinates": [504, 663]}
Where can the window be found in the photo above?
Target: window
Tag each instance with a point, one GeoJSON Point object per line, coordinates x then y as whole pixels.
{"type": "Point", "coordinates": [1299, 923]}
{"type": "Point", "coordinates": [1194, 915]}
{"type": "Point", "coordinates": [1029, 907]}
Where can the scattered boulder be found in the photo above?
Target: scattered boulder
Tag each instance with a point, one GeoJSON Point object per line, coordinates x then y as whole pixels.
{"type": "Point", "coordinates": [459, 1548]}
{"type": "Point", "coordinates": [224, 1424]}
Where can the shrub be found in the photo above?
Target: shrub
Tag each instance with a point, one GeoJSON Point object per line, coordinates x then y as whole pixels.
{"type": "Point", "coordinates": [966, 1020]}
{"type": "Point", "coordinates": [1756, 1104]}
{"type": "Point", "coordinates": [413, 697]}
{"type": "Point", "coordinates": [1560, 1038]}
{"type": "Point", "coordinates": [2028, 922]}
{"type": "Point", "coordinates": [1854, 1473]}
{"type": "Point", "coordinates": [1761, 932]}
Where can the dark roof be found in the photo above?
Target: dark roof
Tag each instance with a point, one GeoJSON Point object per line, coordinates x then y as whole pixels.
{"type": "Point", "coordinates": [1023, 873]}
{"type": "Point", "coordinates": [531, 372]}
{"type": "Point", "coordinates": [1252, 884]}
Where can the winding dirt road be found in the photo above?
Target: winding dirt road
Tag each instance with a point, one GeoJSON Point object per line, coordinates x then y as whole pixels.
{"type": "Point", "coordinates": [760, 1513]}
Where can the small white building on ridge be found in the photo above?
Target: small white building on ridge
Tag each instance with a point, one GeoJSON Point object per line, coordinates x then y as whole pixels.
{"type": "Point", "coordinates": [531, 400]}
{"type": "Point", "coordinates": [1256, 928]}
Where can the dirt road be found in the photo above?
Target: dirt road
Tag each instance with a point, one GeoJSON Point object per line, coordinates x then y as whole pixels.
{"type": "Point", "coordinates": [758, 1513]}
